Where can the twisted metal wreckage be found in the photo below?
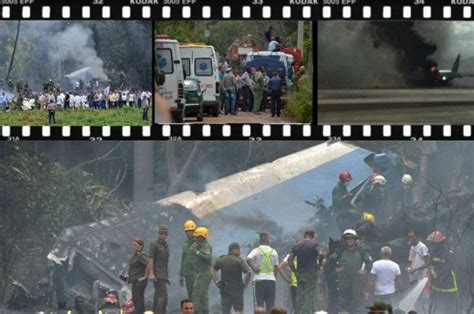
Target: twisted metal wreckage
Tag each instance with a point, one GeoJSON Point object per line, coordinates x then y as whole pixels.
{"type": "Point", "coordinates": [275, 197]}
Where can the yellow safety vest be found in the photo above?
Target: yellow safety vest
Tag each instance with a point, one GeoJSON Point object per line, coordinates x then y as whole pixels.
{"type": "Point", "coordinates": [266, 267]}
{"type": "Point", "coordinates": [294, 280]}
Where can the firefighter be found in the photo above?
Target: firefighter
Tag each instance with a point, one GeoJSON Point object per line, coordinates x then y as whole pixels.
{"type": "Point", "coordinates": [186, 270]}
{"type": "Point", "coordinates": [129, 307]}
{"type": "Point", "coordinates": [344, 211]}
{"type": "Point", "coordinates": [444, 286]}
{"type": "Point", "coordinates": [158, 270]}
{"type": "Point", "coordinates": [201, 263]}
{"type": "Point", "coordinates": [351, 263]}
{"type": "Point", "coordinates": [407, 198]}
{"type": "Point", "coordinates": [375, 197]}
{"type": "Point", "coordinates": [111, 305]}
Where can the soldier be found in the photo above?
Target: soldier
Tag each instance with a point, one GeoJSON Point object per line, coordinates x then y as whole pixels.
{"type": "Point", "coordinates": [201, 262]}
{"type": "Point", "coordinates": [231, 286]}
{"type": "Point", "coordinates": [258, 78]}
{"type": "Point", "coordinates": [137, 275]}
{"type": "Point", "coordinates": [351, 264]}
{"type": "Point", "coordinates": [158, 270]}
{"type": "Point", "coordinates": [186, 270]}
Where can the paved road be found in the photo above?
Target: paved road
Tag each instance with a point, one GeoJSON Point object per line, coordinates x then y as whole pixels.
{"type": "Point", "coordinates": [396, 106]}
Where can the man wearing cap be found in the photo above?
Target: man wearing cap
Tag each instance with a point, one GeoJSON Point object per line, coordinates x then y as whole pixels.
{"type": "Point", "coordinates": [201, 259]}
{"type": "Point", "coordinates": [310, 257]}
{"type": "Point", "coordinates": [158, 270]}
{"type": "Point", "coordinates": [231, 285]}
{"type": "Point", "coordinates": [186, 269]}
{"type": "Point", "coordinates": [263, 260]}
{"type": "Point", "coordinates": [351, 263]}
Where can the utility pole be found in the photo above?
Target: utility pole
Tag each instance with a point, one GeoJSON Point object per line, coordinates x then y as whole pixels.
{"type": "Point", "coordinates": [14, 52]}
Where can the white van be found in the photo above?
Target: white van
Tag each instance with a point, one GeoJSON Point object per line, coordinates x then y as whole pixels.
{"type": "Point", "coordinates": [168, 62]}
{"type": "Point", "coordinates": [200, 62]}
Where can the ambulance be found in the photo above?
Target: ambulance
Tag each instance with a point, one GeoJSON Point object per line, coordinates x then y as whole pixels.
{"type": "Point", "coordinates": [169, 75]}
{"type": "Point", "coordinates": [200, 62]}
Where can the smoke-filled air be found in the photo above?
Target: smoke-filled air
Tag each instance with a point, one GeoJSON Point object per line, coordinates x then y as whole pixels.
{"type": "Point", "coordinates": [53, 49]}
{"type": "Point", "coordinates": [56, 72]}
{"type": "Point", "coordinates": [88, 227]}
{"type": "Point", "coordinates": [370, 54]}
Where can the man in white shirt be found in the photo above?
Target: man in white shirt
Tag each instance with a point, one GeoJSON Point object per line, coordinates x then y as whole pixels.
{"type": "Point", "coordinates": [263, 260]}
{"type": "Point", "coordinates": [418, 258]}
{"type": "Point", "coordinates": [60, 100]}
{"type": "Point", "coordinates": [385, 278]}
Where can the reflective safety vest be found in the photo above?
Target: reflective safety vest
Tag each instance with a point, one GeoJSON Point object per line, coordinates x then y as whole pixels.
{"type": "Point", "coordinates": [434, 275]}
{"type": "Point", "coordinates": [294, 280]}
{"type": "Point", "coordinates": [266, 267]}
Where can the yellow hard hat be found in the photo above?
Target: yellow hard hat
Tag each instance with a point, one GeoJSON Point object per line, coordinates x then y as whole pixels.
{"type": "Point", "coordinates": [368, 217]}
{"type": "Point", "coordinates": [189, 225]}
{"type": "Point", "coordinates": [201, 232]}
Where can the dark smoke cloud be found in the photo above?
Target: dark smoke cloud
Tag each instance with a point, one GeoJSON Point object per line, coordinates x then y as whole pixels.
{"type": "Point", "coordinates": [375, 53]}
{"type": "Point", "coordinates": [413, 49]}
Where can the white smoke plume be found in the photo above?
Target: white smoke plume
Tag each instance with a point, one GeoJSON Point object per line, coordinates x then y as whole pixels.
{"type": "Point", "coordinates": [75, 43]}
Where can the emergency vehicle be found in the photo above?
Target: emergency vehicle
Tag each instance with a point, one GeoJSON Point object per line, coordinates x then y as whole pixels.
{"type": "Point", "coordinates": [168, 65]}
{"type": "Point", "coordinates": [200, 62]}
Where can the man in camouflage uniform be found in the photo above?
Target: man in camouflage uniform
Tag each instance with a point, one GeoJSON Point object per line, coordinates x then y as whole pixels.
{"type": "Point", "coordinates": [186, 269]}
{"type": "Point", "coordinates": [231, 286]}
{"type": "Point", "coordinates": [259, 79]}
{"type": "Point", "coordinates": [158, 270]}
{"type": "Point", "coordinates": [201, 262]}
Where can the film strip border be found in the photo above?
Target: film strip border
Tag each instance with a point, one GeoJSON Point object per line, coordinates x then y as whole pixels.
{"type": "Point", "coordinates": [198, 9]}
{"type": "Point", "coordinates": [241, 132]}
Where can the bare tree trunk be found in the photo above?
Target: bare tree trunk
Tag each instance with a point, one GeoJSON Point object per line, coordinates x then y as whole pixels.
{"type": "Point", "coordinates": [177, 178]}
{"type": "Point", "coordinates": [143, 178]}
{"type": "Point", "coordinates": [459, 166]}
{"type": "Point", "coordinates": [420, 190]}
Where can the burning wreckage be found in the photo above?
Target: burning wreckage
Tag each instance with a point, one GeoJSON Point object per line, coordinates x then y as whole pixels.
{"type": "Point", "coordinates": [88, 260]}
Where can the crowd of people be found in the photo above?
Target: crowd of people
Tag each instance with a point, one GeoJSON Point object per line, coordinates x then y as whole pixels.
{"type": "Point", "coordinates": [52, 98]}
{"type": "Point", "coordinates": [353, 279]}
{"type": "Point", "coordinates": [250, 90]}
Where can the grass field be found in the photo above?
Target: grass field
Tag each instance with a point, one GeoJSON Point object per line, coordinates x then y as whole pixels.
{"type": "Point", "coordinates": [82, 117]}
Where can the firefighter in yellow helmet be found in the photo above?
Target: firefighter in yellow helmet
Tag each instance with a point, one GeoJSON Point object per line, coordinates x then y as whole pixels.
{"type": "Point", "coordinates": [201, 259]}
{"type": "Point", "coordinates": [186, 270]}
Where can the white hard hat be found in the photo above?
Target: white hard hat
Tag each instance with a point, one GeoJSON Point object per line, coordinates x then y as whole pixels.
{"type": "Point", "coordinates": [407, 179]}
{"type": "Point", "coordinates": [350, 232]}
{"type": "Point", "coordinates": [379, 179]}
